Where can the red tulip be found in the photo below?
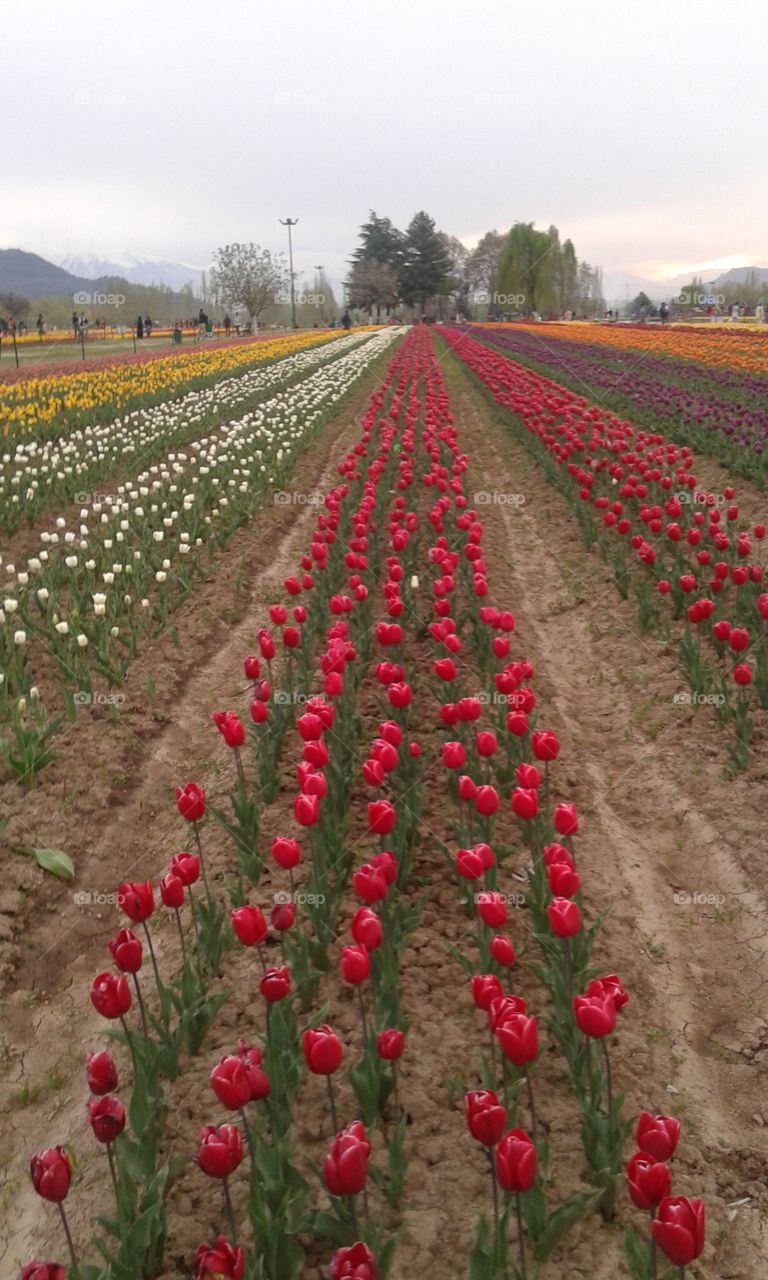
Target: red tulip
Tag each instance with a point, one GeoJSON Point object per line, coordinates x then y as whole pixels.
{"type": "Point", "coordinates": [345, 1168]}
{"type": "Point", "coordinates": [266, 644]}
{"type": "Point", "coordinates": [381, 817]}
{"type": "Point", "coordinates": [486, 801]}
{"type": "Point", "coordinates": [516, 1161]}
{"type": "Point", "coordinates": [306, 810]}
{"type": "Point", "coordinates": [190, 802]}
{"type": "Point", "coordinates": [565, 820]}
{"type": "Point", "coordinates": [501, 950]}
{"type": "Point", "coordinates": [285, 852]}
{"type": "Point", "coordinates": [678, 1229]}
{"type": "Point", "coordinates": [528, 776]}
{"type": "Point", "coordinates": [220, 1261]}
{"type": "Point", "coordinates": [399, 694]}
{"type": "Point", "coordinates": [444, 669]}
{"type": "Point", "coordinates": [257, 1079]}
{"type": "Point", "coordinates": [502, 1008]}
{"type": "Point", "coordinates": [43, 1271]}
{"type": "Point", "coordinates": [252, 668]}
{"type": "Point", "coordinates": [283, 915]}
{"type": "Point", "coordinates": [648, 1181]}
{"type": "Point", "coordinates": [353, 1263]}
{"type": "Point", "coordinates": [525, 804]}
{"type": "Point", "coordinates": [467, 788]}
{"type": "Point", "coordinates": [469, 864]}
{"type": "Point", "coordinates": [485, 1116]}
{"type": "Point", "coordinates": [110, 995]}
{"type": "Point", "coordinates": [355, 964]}
{"type": "Point", "coordinates": [229, 1081]}
{"type": "Point", "coordinates": [106, 1117]}
{"type": "Point", "coordinates": [611, 986]}
{"type": "Point", "coordinates": [230, 727]}
{"type": "Point", "coordinates": [136, 900]}
{"type": "Point", "coordinates": [544, 745]}
{"type": "Point", "coordinates": [275, 985]}
{"type": "Point", "coordinates": [220, 1150]}
{"type": "Point", "coordinates": [658, 1135]}
{"type": "Point", "coordinates": [125, 950]}
{"type": "Point", "coordinates": [101, 1073]}
{"type": "Point", "coordinates": [485, 988]}
{"type": "Point", "coordinates": [742, 674]}
{"type": "Point", "coordinates": [366, 929]}
{"type": "Point", "coordinates": [249, 925]}
{"type": "Point", "coordinates": [486, 743]}
{"type": "Point", "coordinates": [491, 908]}
{"type": "Point", "coordinates": [563, 880]}
{"type": "Point", "coordinates": [369, 884]}
{"type": "Point", "coordinates": [454, 755]}
{"type": "Point", "coordinates": [322, 1050]}
{"type": "Point", "coordinates": [595, 1015]}
{"type": "Point", "coordinates": [187, 867]}
{"type": "Point", "coordinates": [51, 1173]}
{"type": "Point", "coordinates": [390, 1044]}
{"type": "Point", "coordinates": [385, 864]}
{"type": "Point", "coordinates": [518, 1037]}
{"type": "Point", "coordinates": [172, 891]}
{"type": "Point", "coordinates": [564, 918]}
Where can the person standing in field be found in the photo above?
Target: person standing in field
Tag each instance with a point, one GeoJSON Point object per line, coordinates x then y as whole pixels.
{"type": "Point", "coordinates": [227, 324]}
{"type": "Point", "coordinates": [346, 322]}
{"type": "Point", "coordinates": [40, 325]}
{"type": "Point", "coordinates": [140, 328]}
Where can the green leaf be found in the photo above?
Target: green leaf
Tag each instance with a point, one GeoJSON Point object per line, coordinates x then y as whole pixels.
{"type": "Point", "coordinates": [56, 861]}
{"type": "Point", "coordinates": [575, 1208]}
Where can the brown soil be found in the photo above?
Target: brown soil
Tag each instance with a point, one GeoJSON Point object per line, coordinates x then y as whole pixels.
{"type": "Point", "coordinates": [658, 818]}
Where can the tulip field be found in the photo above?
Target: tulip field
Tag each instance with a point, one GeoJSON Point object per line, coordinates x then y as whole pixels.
{"type": "Point", "coordinates": [381, 723]}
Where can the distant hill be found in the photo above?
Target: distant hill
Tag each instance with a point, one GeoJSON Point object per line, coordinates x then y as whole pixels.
{"type": "Point", "coordinates": [741, 275]}
{"type": "Point", "coordinates": [33, 277]}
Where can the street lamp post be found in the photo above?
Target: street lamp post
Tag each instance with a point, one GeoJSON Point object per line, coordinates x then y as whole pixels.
{"type": "Point", "coordinates": [319, 269]}
{"type": "Point", "coordinates": [290, 222]}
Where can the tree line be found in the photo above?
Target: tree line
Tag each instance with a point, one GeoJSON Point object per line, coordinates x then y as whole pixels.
{"type": "Point", "coordinates": [522, 271]}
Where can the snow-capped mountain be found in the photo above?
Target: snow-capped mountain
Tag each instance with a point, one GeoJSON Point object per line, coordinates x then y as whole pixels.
{"type": "Point", "coordinates": [133, 267]}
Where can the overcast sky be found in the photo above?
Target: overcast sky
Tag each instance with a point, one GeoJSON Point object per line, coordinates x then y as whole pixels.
{"type": "Point", "coordinates": [168, 127]}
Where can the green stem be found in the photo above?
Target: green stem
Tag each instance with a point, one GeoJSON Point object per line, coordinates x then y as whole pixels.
{"type": "Point", "coordinates": [332, 1101]}
{"type": "Point", "coordinates": [520, 1236]}
{"type": "Point", "coordinates": [67, 1233]}
{"type": "Point", "coordinates": [230, 1214]}
{"type": "Point", "coordinates": [152, 956]}
{"type": "Point", "coordinates": [141, 1004]}
{"type": "Point", "coordinates": [532, 1106]}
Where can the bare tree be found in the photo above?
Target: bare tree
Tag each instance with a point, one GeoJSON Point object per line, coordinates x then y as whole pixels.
{"type": "Point", "coordinates": [247, 276]}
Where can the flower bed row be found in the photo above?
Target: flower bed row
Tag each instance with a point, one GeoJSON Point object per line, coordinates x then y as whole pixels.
{"type": "Point", "coordinates": [93, 592]}
{"type": "Point", "coordinates": [684, 554]}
